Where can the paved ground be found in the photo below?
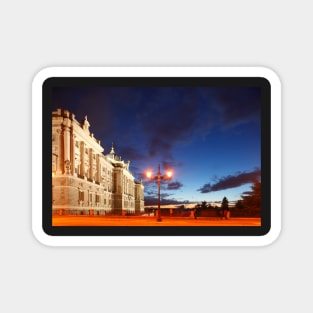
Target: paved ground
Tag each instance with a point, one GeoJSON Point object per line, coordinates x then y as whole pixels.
{"type": "Point", "coordinates": [59, 220]}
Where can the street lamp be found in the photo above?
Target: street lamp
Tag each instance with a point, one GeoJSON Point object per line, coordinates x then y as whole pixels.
{"type": "Point", "coordinates": [158, 177]}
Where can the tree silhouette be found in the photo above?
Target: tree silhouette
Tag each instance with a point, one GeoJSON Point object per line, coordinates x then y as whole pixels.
{"type": "Point", "coordinates": [204, 205]}
{"type": "Point", "coordinates": [225, 204]}
{"type": "Point", "coordinates": [251, 200]}
{"type": "Point", "coordinates": [199, 207]}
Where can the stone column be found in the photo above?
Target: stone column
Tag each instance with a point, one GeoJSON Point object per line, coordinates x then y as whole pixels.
{"type": "Point", "coordinates": [90, 164]}
{"type": "Point", "coordinates": [98, 177]}
{"type": "Point", "coordinates": [60, 158]}
{"type": "Point", "coordinates": [72, 152]}
{"type": "Point", "coordinates": [67, 144]}
{"type": "Point", "coordinates": [82, 158]}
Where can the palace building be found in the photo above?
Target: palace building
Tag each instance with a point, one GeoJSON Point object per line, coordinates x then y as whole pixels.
{"type": "Point", "coordinates": [84, 179]}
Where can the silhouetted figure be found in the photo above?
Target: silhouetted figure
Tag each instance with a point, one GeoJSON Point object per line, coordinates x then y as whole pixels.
{"type": "Point", "coordinates": [225, 208]}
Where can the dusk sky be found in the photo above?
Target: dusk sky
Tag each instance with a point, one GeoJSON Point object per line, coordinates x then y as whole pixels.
{"type": "Point", "coordinates": [209, 136]}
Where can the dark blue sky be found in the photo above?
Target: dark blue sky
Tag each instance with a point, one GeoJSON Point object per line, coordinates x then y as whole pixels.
{"type": "Point", "coordinates": [209, 136]}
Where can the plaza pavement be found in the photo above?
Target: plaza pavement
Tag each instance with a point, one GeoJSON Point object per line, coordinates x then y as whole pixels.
{"type": "Point", "coordinates": [79, 220]}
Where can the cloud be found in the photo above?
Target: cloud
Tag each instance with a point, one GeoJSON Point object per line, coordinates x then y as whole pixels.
{"type": "Point", "coordinates": [171, 164]}
{"type": "Point", "coordinates": [170, 116]}
{"type": "Point", "coordinates": [231, 181]}
{"type": "Point", "coordinates": [238, 105]}
{"type": "Point", "coordinates": [174, 185]}
{"type": "Point", "coordinates": [165, 184]}
{"type": "Point", "coordinates": [153, 201]}
{"type": "Point", "coordinates": [176, 116]}
{"type": "Point", "coordinates": [129, 153]}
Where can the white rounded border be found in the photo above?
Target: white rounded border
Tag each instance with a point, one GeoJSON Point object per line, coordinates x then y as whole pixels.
{"type": "Point", "coordinates": [266, 73]}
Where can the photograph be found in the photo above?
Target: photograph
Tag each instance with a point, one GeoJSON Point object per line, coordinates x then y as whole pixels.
{"type": "Point", "coordinates": [182, 154]}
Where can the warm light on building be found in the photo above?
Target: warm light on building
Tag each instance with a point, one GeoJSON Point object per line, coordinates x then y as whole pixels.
{"type": "Point", "coordinates": [85, 180]}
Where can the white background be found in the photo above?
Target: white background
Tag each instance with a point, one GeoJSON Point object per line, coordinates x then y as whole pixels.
{"type": "Point", "coordinates": [38, 34]}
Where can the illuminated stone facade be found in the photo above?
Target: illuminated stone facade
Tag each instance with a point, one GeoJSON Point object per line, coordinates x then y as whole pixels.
{"type": "Point", "coordinates": [84, 180]}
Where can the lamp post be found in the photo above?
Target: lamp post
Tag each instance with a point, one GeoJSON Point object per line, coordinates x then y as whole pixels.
{"type": "Point", "coordinates": [158, 177]}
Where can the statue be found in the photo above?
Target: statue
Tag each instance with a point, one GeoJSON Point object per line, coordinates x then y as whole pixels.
{"type": "Point", "coordinates": [67, 166]}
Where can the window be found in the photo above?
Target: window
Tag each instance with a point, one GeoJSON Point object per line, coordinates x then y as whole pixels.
{"type": "Point", "coordinates": [81, 195]}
